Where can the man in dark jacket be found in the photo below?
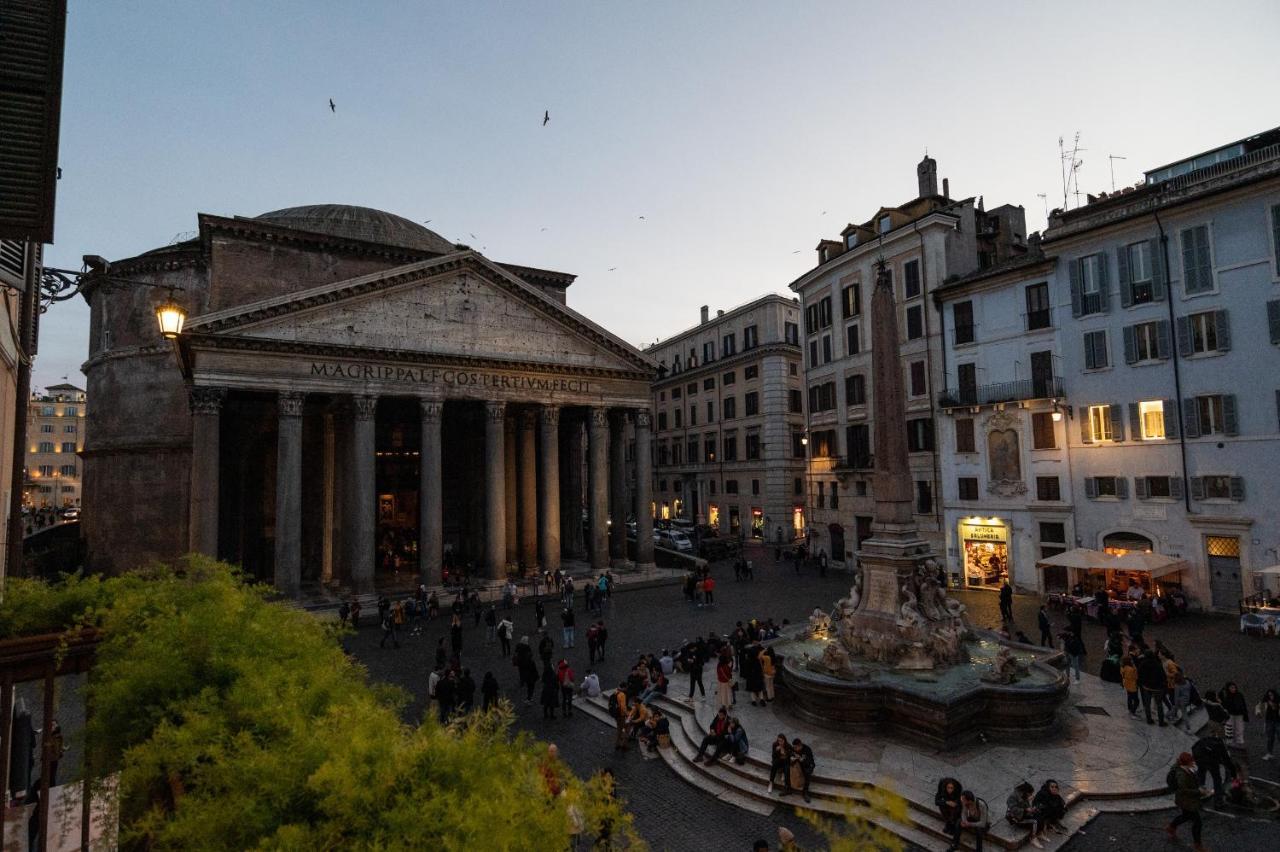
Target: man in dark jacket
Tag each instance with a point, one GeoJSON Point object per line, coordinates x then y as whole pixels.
{"type": "Point", "coordinates": [1212, 757]}
{"type": "Point", "coordinates": [803, 757]}
{"type": "Point", "coordinates": [1152, 681]}
{"type": "Point", "coordinates": [1186, 795]}
{"type": "Point", "coordinates": [1006, 602]}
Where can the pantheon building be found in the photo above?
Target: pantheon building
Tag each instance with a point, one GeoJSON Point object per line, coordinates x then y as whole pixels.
{"type": "Point", "coordinates": [354, 395]}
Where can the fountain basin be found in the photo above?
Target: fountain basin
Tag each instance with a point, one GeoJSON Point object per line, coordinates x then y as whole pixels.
{"type": "Point", "coordinates": [944, 708]}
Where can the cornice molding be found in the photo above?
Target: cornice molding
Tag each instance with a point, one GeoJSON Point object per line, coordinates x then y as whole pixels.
{"type": "Point", "coordinates": [732, 361]}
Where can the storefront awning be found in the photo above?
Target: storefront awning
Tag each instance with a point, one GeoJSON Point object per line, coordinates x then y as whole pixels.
{"type": "Point", "coordinates": [1080, 557]}
{"type": "Point", "coordinates": [1155, 564]}
{"type": "Point", "coordinates": [1271, 569]}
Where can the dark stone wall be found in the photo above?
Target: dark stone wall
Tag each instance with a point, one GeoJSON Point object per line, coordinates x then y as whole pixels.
{"type": "Point", "coordinates": [246, 271]}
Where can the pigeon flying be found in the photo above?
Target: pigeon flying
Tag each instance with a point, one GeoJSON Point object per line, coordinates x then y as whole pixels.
{"type": "Point", "coordinates": [332, 107]}
{"type": "Point", "coordinates": [546, 116]}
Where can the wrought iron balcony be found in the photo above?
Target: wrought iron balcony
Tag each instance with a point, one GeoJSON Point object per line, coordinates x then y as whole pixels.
{"type": "Point", "coordinates": [1046, 388]}
{"type": "Point", "coordinates": [856, 462]}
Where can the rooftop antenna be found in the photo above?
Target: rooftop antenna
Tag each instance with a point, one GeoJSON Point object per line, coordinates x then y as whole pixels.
{"type": "Point", "coordinates": [1071, 164]}
{"type": "Point", "coordinates": [1113, 158]}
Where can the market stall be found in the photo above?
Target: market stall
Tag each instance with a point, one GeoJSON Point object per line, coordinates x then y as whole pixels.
{"type": "Point", "coordinates": [1259, 614]}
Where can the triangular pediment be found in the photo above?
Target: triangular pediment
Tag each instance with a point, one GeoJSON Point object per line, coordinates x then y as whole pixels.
{"type": "Point", "coordinates": [458, 306]}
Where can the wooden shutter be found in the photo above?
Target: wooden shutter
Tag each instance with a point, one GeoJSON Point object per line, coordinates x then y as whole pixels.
{"type": "Point", "coordinates": [1223, 328]}
{"type": "Point", "coordinates": [1197, 271]}
{"type": "Point", "coordinates": [1175, 487]}
{"type": "Point", "coordinates": [1278, 407]}
{"type": "Point", "coordinates": [1159, 275]}
{"type": "Point", "coordinates": [1122, 487]}
{"type": "Point", "coordinates": [1273, 319]}
{"type": "Point", "coordinates": [1171, 418]}
{"type": "Point", "coordinates": [1190, 417]}
{"type": "Point", "coordinates": [1086, 430]}
{"type": "Point", "coordinates": [1162, 339]}
{"type": "Point", "coordinates": [1117, 421]}
{"type": "Point", "coordinates": [1188, 261]}
{"type": "Point", "coordinates": [1237, 488]}
{"type": "Point", "coordinates": [1126, 284]}
{"type": "Point", "coordinates": [1090, 487]}
{"type": "Point", "coordinates": [1184, 336]}
{"type": "Point", "coordinates": [1140, 487]}
{"type": "Point", "coordinates": [1275, 235]}
{"type": "Point", "coordinates": [1135, 421]}
{"type": "Point", "coordinates": [1197, 488]}
{"type": "Point", "coordinates": [1130, 344]}
{"type": "Point", "coordinates": [1073, 268]}
{"type": "Point", "coordinates": [1230, 420]}
{"type": "Point", "coordinates": [1104, 285]}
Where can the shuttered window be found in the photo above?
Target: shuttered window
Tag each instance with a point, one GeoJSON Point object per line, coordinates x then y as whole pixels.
{"type": "Point", "coordinates": [1212, 414]}
{"type": "Point", "coordinates": [965, 442]}
{"type": "Point", "coordinates": [1095, 350]}
{"type": "Point", "coordinates": [1197, 266]}
{"type": "Point", "coordinates": [1146, 341]}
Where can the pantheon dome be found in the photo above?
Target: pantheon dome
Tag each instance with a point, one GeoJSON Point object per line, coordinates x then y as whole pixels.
{"type": "Point", "coordinates": [359, 223]}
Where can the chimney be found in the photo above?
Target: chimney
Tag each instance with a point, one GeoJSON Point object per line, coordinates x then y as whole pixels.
{"type": "Point", "coordinates": [927, 173]}
{"type": "Point", "coordinates": [706, 312]}
{"type": "Point", "coordinates": [719, 313]}
{"type": "Point", "coordinates": [946, 188]}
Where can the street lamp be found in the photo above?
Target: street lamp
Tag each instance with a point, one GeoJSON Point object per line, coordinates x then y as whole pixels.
{"type": "Point", "coordinates": [171, 317]}
{"type": "Point", "coordinates": [58, 285]}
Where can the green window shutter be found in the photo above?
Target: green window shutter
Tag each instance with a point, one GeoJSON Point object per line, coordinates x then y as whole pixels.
{"type": "Point", "coordinates": [1190, 417]}
{"type": "Point", "coordinates": [1122, 269]}
{"type": "Point", "coordinates": [1175, 487]}
{"type": "Point", "coordinates": [1189, 261]}
{"type": "Point", "coordinates": [1090, 488]}
{"type": "Point", "coordinates": [1197, 488]}
{"type": "Point", "coordinates": [1171, 418]}
{"type": "Point", "coordinates": [1073, 268]}
{"type": "Point", "coordinates": [1130, 344]}
{"type": "Point", "coordinates": [1278, 406]}
{"type": "Point", "coordinates": [1140, 487]}
{"type": "Point", "coordinates": [1230, 419]}
{"type": "Point", "coordinates": [1273, 319]}
{"type": "Point", "coordinates": [1159, 275]}
{"type": "Point", "coordinates": [1275, 235]}
{"type": "Point", "coordinates": [1117, 421]}
{"type": "Point", "coordinates": [1184, 336]}
{"type": "Point", "coordinates": [1237, 488]}
{"type": "Point", "coordinates": [1162, 339]}
{"type": "Point", "coordinates": [1122, 487]}
{"type": "Point", "coordinates": [1086, 432]}
{"type": "Point", "coordinates": [1223, 328]}
{"type": "Point", "coordinates": [1104, 285]}
{"type": "Point", "coordinates": [1135, 421]}
{"type": "Point", "coordinates": [1203, 257]}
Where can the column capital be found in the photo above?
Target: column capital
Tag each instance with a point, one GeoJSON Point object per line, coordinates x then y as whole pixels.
{"type": "Point", "coordinates": [598, 417]}
{"type": "Point", "coordinates": [496, 412]}
{"type": "Point", "coordinates": [549, 415]}
{"type": "Point", "coordinates": [432, 409]}
{"type": "Point", "coordinates": [366, 406]}
{"type": "Point", "coordinates": [204, 400]}
{"type": "Point", "coordinates": [528, 418]}
{"type": "Point", "coordinates": [289, 403]}
{"type": "Point", "coordinates": [618, 417]}
{"type": "Point", "coordinates": [644, 418]}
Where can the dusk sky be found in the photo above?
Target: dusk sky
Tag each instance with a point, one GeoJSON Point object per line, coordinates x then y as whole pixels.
{"type": "Point", "coordinates": [742, 132]}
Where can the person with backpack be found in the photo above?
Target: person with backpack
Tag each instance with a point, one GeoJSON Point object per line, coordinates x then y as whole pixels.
{"type": "Point", "coordinates": [974, 817]}
{"type": "Point", "coordinates": [1186, 796]}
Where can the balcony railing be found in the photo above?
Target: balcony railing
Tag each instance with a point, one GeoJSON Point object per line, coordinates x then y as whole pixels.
{"type": "Point", "coordinates": [965, 333]}
{"type": "Point", "coordinates": [856, 462]}
{"type": "Point", "coordinates": [1046, 388]}
{"type": "Point", "coordinates": [1040, 318]}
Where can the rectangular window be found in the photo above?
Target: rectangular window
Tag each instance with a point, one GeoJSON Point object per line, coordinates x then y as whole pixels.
{"type": "Point", "coordinates": [797, 487]}
{"type": "Point", "coordinates": [1204, 332]}
{"type": "Point", "coordinates": [46, 470]}
{"type": "Point", "coordinates": [752, 403]}
{"type": "Point", "coordinates": [729, 408]}
{"type": "Point", "coordinates": [826, 349]}
{"type": "Point", "coordinates": [964, 435]}
{"type": "Point", "coordinates": [813, 353]}
{"type": "Point", "coordinates": [709, 383]}
{"type": "Point", "coordinates": [1210, 414]}
{"type": "Point", "coordinates": [711, 411]}
{"type": "Point", "coordinates": [1141, 280]}
{"type": "Point", "coordinates": [911, 279]}
{"type": "Point", "coordinates": [822, 495]}
{"type": "Point", "coordinates": [1197, 267]}
{"type": "Point", "coordinates": [69, 446]}
{"type": "Point", "coordinates": [855, 389]}
{"type": "Point", "coordinates": [731, 445]}
{"type": "Point", "coordinates": [676, 393]}
{"type": "Point", "coordinates": [46, 428]}
{"type": "Point", "coordinates": [731, 486]}
{"type": "Point", "coordinates": [677, 455]}
{"type": "Point", "coordinates": [751, 337]}
{"type": "Point", "coordinates": [968, 487]}
{"type": "Point", "coordinates": [709, 448]}
{"type": "Point", "coordinates": [850, 301]}
{"type": "Point", "coordinates": [853, 344]}
{"type": "Point", "coordinates": [70, 428]}
{"type": "Point", "coordinates": [1105, 486]}
{"type": "Point", "coordinates": [1151, 419]}
{"type": "Point", "coordinates": [797, 444]}
{"type": "Point", "coordinates": [1149, 487]}
{"type": "Point", "coordinates": [824, 312]}
{"type": "Point", "coordinates": [753, 445]}
{"type": "Point", "coordinates": [835, 495]}
{"type": "Point", "coordinates": [924, 496]}
{"type": "Point", "coordinates": [708, 352]}
{"type": "Point", "coordinates": [967, 382]}
{"type": "Point", "coordinates": [1218, 488]}
{"type": "Point", "coordinates": [795, 401]}
{"type": "Point", "coordinates": [692, 388]}
{"type": "Point", "coordinates": [68, 470]}
{"type": "Point", "coordinates": [679, 414]}
{"type": "Point", "coordinates": [728, 345]}
{"type": "Point", "coordinates": [1047, 488]}
{"type": "Point", "coordinates": [920, 435]}
{"type": "Point", "coordinates": [693, 451]}
{"type": "Point", "coordinates": [728, 378]}
{"type": "Point", "coordinates": [1095, 350]}
{"type": "Point", "coordinates": [962, 317]}
{"type": "Point", "coordinates": [70, 411]}
{"type": "Point", "coordinates": [755, 487]}
{"type": "Point", "coordinates": [693, 415]}
{"type": "Point", "coordinates": [1043, 434]}
{"type": "Point", "coordinates": [1038, 306]}
{"type": "Point", "coordinates": [46, 446]}
{"type": "Point", "coordinates": [662, 420]}
{"type": "Point", "coordinates": [1053, 532]}
{"type": "Point", "coordinates": [751, 372]}
{"type": "Point", "coordinates": [1099, 428]}
{"type": "Point", "coordinates": [822, 443]}
{"type": "Point", "coordinates": [1091, 274]}
{"type": "Point", "coordinates": [1089, 292]}
{"type": "Point", "coordinates": [811, 319]}
{"type": "Point", "coordinates": [885, 224]}
{"type": "Point", "coordinates": [791, 333]}
{"type": "Point", "coordinates": [915, 322]}
{"type": "Point", "coordinates": [918, 385]}
{"type": "Point", "coordinates": [858, 444]}
{"type": "Point", "coordinates": [1146, 341]}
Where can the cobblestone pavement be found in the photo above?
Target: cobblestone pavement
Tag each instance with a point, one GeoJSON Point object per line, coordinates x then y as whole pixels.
{"type": "Point", "coordinates": [673, 815]}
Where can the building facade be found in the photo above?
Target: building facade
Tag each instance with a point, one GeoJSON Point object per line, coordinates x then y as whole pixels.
{"type": "Point", "coordinates": [923, 243]}
{"type": "Point", "coordinates": [1172, 290]}
{"type": "Point", "coordinates": [1006, 480]}
{"type": "Point", "coordinates": [353, 394]}
{"type": "Point", "coordinates": [55, 437]}
{"type": "Point", "coordinates": [729, 406]}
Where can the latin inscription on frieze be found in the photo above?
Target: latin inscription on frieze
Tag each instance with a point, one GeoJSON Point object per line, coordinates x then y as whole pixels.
{"type": "Point", "coordinates": [449, 377]}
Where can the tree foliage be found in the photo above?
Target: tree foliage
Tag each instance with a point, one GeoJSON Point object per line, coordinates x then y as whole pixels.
{"type": "Point", "coordinates": [238, 723]}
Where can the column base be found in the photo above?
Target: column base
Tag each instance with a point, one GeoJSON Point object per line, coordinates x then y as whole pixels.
{"type": "Point", "coordinates": [619, 563]}
{"type": "Point", "coordinates": [646, 567]}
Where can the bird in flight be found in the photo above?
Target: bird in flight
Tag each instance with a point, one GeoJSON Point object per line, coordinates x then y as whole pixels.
{"type": "Point", "coordinates": [473, 236]}
{"type": "Point", "coordinates": [642, 218]}
{"type": "Point", "coordinates": [332, 106]}
{"type": "Point", "coordinates": [611, 268]}
{"type": "Point", "coordinates": [797, 251]}
{"type": "Point", "coordinates": [426, 221]}
{"type": "Point", "coordinates": [546, 116]}
{"type": "Point", "coordinates": [542, 229]}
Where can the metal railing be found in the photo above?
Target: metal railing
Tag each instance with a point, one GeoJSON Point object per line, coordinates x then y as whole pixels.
{"type": "Point", "coordinates": [1046, 388]}
{"type": "Point", "coordinates": [965, 333]}
{"type": "Point", "coordinates": [1042, 318]}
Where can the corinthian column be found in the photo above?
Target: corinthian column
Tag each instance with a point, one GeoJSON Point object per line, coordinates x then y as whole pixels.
{"type": "Point", "coordinates": [598, 487]}
{"type": "Point", "coordinates": [363, 494]}
{"type": "Point", "coordinates": [549, 488]}
{"type": "Point", "coordinates": [430, 509]}
{"type": "Point", "coordinates": [495, 495]}
{"type": "Point", "coordinates": [510, 478]}
{"type": "Point", "coordinates": [206, 424]}
{"type": "Point", "coordinates": [527, 488]}
{"type": "Point", "coordinates": [618, 487]}
{"type": "Point", "coordinates": [288, 576]}
{"type": "Point", "coordinates": [644, 488]}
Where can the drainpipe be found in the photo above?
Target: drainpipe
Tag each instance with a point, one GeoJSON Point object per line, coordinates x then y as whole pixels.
{"type": "Point", "coordinates": [1177, 372]}
{"type": "Point", "coordinates": [925, 295]}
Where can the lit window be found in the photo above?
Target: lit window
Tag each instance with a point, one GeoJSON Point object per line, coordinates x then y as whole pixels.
{"type": "Point", "coordinates": [1100, 422]}
{"type": "Point", "coordinates": [1151, 415]}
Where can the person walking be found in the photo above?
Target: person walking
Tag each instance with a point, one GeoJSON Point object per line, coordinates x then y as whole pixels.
{"type": "Point", "coordinates": [488, 691]}
{"type": "Point", "coordinates": [455, 635]}
{"type": "Point", "coordinates": [567, 623]}
{"type": "Point", "coordinates": [1186, 797]}
{"type": "Point", "coordinates": [1269, 709]}
{"type": "Point", "coordinates": [709, 590]}
{"type": "Point", "coordinates": [975, 817]}
{"type": "Point", "coordinates": [1075, 650]}
{"type": "Point", "coordinates": [491, 625]}
{"type": "Point", "coordinates": [564, 676]}
{"type": "Point", "coordinates": [1233, 701]}
{"type": "Point", "coordinates": [1181, 693]}
{"type": "Point", "coordinates": [696, 663]}
{"type": "Point", "coordinates": [550, 693]}
{"type": "Point", "coordinates": [1046, 627]}
{"type": "Point", "coordinates": [1006, 602]}
{"type": "Point", "coordinates": [505, 628]}
{"type": "Point", "coordinates": [1129, 679]}
{"type": "Point", "coordinates": [466, 692]}
{"type": "Point", "coordinates": [724, 681]}
{"type": "Point", "coordinates": [593, 642]}
{"type": "Point", "coordinates": [388, 629]}
{"type": "Point", "coordinates": [779, 763]}
{"type": "Point", "coordinates": [767, 671]}
{"type": "Point", "coordinates": [539, 616]}
{"type": "Point", "coordinates": [1152, 680]}
{"type": "Point", "coordinates": [1213, 759]}
{"type": "Point", "coordinates": [526, 668]}
{"type": "Point", "coordinates": [602, 636]}
{"type": "Point", "coordinates": [344, 613]}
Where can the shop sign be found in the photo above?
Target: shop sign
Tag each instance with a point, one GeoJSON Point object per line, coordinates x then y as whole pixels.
{"type": "Point", "coordinates": [983, 532]}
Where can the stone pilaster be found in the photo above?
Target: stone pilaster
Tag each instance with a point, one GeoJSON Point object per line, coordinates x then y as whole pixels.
{"type": "Point", "coordinates": [495, 496]}
{"type": "Point", "coordinates": [511, 479]}
{"type": "Point", "coordinates": [206, 427]}
{"type": "Point", "coordinates": [571, 536]}
{"type": "Point", "coordinates": [430, 495]}
{"type": "Point", "coordinates": [618, 502]}
{"type": "Point", "coordinates": [526, 488]}
{"type": "Point", "coordinates": [549, 487]}
{"type": "Point", "coordinates": [364, 498]}
{"type": "Point", "coordinates": [644, 488]}
{"type": "Point", "coordinates": [288, 568]}
{"type": "Point", "coordinates": [598, 487]}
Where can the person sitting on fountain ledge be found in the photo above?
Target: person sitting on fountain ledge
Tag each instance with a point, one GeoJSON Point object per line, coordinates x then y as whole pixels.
{"type": "Point", "coordinates": [1022, 814]}
{"type": "Point", "coordinates": [1052, 806]}
{"type": "Point", "coordinates": [715, 733]}
{"type": "Point", "coordinates": [947, 800]}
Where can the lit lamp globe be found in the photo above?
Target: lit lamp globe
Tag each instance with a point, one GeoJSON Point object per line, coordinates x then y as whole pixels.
{"type": "Point", "coordinates": [171, 317]}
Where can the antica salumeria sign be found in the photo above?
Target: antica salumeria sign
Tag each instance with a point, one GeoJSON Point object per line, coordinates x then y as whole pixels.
{"type": "Point", "coordinates": [447, 377]}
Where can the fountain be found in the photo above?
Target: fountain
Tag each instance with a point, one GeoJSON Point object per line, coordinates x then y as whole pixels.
{"type": "Point", "coordinates": [896, 653]}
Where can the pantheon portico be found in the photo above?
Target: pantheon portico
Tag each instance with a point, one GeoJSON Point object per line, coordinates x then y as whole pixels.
{"type": "Point", "coordinates": [386, 408]}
